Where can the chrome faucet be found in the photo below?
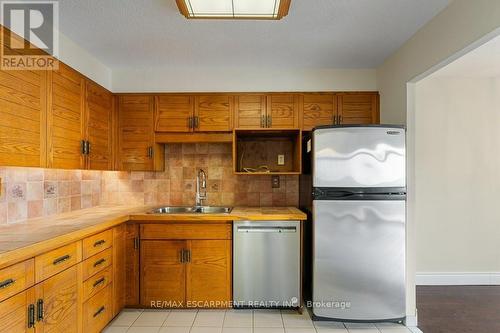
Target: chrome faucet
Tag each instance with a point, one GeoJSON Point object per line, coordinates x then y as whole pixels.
{"type": "Point", "coordinates": [201, 187]}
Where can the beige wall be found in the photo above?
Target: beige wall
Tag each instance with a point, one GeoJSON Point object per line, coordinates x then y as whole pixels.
{"type": "Point", "coordinates": [456, 171]}
{"type": "Point", "coordinates": [460, 24]}
{"type": "Point", "coordinates": [242, 79]}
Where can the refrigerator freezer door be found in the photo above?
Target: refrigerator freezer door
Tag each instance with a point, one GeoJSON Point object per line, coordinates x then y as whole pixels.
{"type": "Point", "coordinates": [359, 259]}
{"type": "Point", "coordinates": [366, 157]}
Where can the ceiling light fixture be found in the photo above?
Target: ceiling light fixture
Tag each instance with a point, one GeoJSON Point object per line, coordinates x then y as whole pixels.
{"type": "Point", "coordinates": [234, 9]}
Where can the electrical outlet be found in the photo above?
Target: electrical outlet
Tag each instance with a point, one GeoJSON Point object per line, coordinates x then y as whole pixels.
{"type": "Point", "coordinates": [275, 181]}
{"type": "Point", "coordinates": [281, 159]}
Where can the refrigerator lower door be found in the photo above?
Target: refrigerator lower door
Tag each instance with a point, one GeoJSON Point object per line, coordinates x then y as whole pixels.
{"type": "Point", "coordinates": [359, 260]}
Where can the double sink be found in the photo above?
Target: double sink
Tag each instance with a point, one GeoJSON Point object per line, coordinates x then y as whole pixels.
{"type": "Point", "coordinates": [192, 210]}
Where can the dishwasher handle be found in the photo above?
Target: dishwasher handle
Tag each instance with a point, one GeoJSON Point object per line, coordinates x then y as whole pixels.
{"type": "Point", "coordinates": [268, 229]}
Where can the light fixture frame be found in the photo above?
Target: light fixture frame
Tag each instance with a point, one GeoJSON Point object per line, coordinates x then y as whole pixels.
{"type": "Point", "coordinates": [283, 9]}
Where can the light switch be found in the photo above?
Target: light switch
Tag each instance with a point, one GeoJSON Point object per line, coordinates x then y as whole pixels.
{"type": "Point", "coordinates": [281, 159]}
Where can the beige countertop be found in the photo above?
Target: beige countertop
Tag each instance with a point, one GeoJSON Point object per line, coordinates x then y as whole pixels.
{"type": "Point", "coordinates": [26, 239]}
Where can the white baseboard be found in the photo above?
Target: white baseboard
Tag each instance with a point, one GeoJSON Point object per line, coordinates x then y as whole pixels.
{"type": "Point", "coordinates": [457, 278]}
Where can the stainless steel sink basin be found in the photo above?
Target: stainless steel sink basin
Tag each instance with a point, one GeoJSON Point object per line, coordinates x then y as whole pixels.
{"type": "Point", "coordinates": [191, 210]}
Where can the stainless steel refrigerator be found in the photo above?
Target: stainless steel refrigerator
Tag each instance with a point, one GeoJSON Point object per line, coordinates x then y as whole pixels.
{"type": "Point", "coordinates": [358, 215]}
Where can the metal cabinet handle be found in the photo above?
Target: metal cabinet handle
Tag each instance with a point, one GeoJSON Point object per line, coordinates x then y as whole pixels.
{"type": "Point", "coordinates": [196, 122]}
{"type": "Point", "coordinates": [188, 252]}
{"type": "Point", "coordinates": [99, 262]}
{"type": "Point", "coordinates": [136, 243]}
{"type": "Point", "coordinates": [150, 152]}
{"type": "Point", "coordinates": [190, 123]}
{"type": "Point", "coordinates": [7, 283]}
{"type": "Point", "coordinates": [269, 121]}
{"type": "Point", "coordinates": [31, 316]}
{"type": "Point", "coordinates": [340, 119]}
{"type": "Point", "coordinates": [181, 253]}
{"type": "Point", "coordinates": [60, 260]}
{"type": "Point", "coordinates": [263, 121]}
{"type": "Point", "coordinates": [99, 243]}
{"type": "Point", "coordinates": [39, 310]}
{"type": "Point", "coordinates": [101, 310]}
{"type": "Point", "coordinates": [99, 282]}
{"type": "Point", "coordinates": [87, 147]}
{"type": "Point", "coordinates": [83, 147]}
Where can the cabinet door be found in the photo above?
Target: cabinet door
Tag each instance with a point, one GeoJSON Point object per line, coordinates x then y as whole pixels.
{"type": "Point", "coordinates": [283, 111]}
{"type": "Point", "coordinates": [99, 103]}
{"type": "Point", "coordinates": [60, 295]}
{"type": "Point", "coordinates": [135, 132]}
{"type": "Point", "coordinates": [317, 109]}
{"type": "Point", "coordinates": [250, 111]}
{"type": "Point", "coordinates": [358, 108]}
{"type": "Point", "coordinates": [132, 265]}
{"type": "Point", "coordinates": [174, 113]}
{"type": "Point", "coordinates": [14, 312]}
{"type": "Point", "coordinates": [23, 118]}
{"type": "Point", "coordinates": [163, 275]}
{"type": "Point", "coordinates": [65, 119]}
{"type": "Point", "coordinates": [119, 276]}
{"type": "Point", "coordinates": [209, 272]}
{"type": "Point", "coordinates": [213, 113]}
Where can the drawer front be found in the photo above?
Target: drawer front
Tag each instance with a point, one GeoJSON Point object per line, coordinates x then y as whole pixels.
{"type": "Point", "coordinates": [97, 311]}
{"type": "Point", "coordinates": [97, 243]}
{"type": "Point", "coordinates": [97, 263]}
{"type": "Point", "coordinates": [16, 278]}
{"type": "Point", "coordinates": [186, 231]}
{"type": "Point", "coordinates": [97, 283]}
{"type": "Point", "coordinates": [55, 261]}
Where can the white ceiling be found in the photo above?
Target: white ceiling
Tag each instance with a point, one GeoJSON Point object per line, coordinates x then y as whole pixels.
{"type": "Point", "coordinates": [482, 62]}
{"type": "Point", "coordinates": [315, 34]}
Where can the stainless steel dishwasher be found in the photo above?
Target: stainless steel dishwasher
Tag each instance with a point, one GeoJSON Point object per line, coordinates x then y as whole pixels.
{"type": "Point", "coordinates": [266, 264]}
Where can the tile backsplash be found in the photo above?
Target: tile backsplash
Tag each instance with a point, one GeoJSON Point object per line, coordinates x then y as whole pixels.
{"type": "Point", "coordinates": [34, 192]}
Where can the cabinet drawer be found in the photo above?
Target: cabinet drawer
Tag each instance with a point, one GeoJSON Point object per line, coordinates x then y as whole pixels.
{"type": "Point", "coordinates": [97, 311]}
{"type": "Point", "coordinates": [186, 231]}
{"type": "Point", "coordinates": [16, 278]}
{"type": "Point", "coordinates": [97, 243]}
{"type": "Point", "coordinates": [97, 282]}
{"type": "Point", "coordinates": [97, 263]}
{"type": "Point", "coordinates": [55, 261]}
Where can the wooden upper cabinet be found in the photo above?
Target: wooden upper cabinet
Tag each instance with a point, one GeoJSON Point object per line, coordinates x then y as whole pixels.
{"type": "Point", "coordinates": [250, 111]}
{"type": "Point", "coordinates": [213, 113]}
{"type": "Point", "coordinates": [60, 295]}
{"type": "Point", "coordinates": [135, 132]}
{"type": "Point", "coordinates": [318, 109]}
{"type": "Point", "coordinates": [283, 111]}
{"type": "Point", "coordinates": [174, 113]}
{"type": "Point", "coordinates": [23, 118]}
{"type": "Point", "coordinates": [65, 119]}
{"type": "Point", "coordinates": [358, 108]}
{"type": "Point", "coordinates": [99, 104]}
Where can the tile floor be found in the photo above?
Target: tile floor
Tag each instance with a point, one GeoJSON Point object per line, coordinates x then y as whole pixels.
{"type": "Point", "coordinates": [236, 321]}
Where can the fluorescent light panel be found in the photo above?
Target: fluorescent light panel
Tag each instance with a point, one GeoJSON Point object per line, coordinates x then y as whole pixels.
{"type": "Point", "coordinates": [233, 8]}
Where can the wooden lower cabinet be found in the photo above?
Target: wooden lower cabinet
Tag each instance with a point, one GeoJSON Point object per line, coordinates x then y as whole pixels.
{"type": "Point", "coordinates": [163, 274]}
{"type": "Point", "coordinates": [208, 273]}
{"type": "Point", "coordinates": [98, 311]}
{"type": "Point", "coordinates": [132, 265]}
{"type": "Point", "coordinates": [60, 297]}
{"type": "Point", "coordinates": [119, 260]}
{"type": "Point", "coordinates": [14, 312]}
{"type": "Point", "coordinates": [186, 272]}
